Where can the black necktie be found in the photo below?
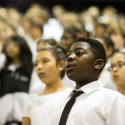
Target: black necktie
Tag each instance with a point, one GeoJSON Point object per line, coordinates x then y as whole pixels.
{"type": "Point", "coordinates": [68, 107]}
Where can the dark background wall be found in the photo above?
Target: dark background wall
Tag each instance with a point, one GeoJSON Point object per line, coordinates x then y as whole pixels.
{"type": "Point", "coordinates": [76, 5]}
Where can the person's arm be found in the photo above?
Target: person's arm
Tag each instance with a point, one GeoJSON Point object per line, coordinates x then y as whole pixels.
{"type": "Point", "coordinates": [26, 117]}
{"type": "Point", "coordinates": [26, 121]}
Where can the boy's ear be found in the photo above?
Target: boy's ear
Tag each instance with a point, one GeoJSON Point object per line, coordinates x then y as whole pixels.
{"type": "Point", "coordinates": [99, 63]}
{"type": "Point", "coordinates": [61, 65]}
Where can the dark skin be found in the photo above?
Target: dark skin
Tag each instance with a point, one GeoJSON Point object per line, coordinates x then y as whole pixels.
{"type": "Point", "coordinates": [82, 67]}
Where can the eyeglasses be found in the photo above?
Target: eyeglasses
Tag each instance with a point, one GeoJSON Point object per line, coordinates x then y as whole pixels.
{"type": "Point", "coordinates": [118, 66]}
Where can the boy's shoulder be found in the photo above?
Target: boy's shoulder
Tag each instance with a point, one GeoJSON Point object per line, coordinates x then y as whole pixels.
{"type": "Point", "coordinates": [109, 91]}
{"type": "Point", "coordinates": [109, 94]}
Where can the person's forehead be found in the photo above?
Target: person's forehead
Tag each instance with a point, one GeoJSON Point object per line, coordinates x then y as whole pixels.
{"type": "Point", "coordinates": [44, 53]}
{"type": "Point", "coordinates": [81, 45]}
{"type": "Point", "coordinates": [118, 57]}
{"type": "Point", "coordinates": [10, 41]}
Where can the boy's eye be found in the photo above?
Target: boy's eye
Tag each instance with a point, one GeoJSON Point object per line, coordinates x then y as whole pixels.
{"type": "Point", "coordinates": [79, 53]}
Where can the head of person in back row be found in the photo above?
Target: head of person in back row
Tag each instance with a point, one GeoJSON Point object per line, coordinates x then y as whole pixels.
{"type": "Point", "coordinates": [49, 66]}
{"type": "Point", "coordinates": [108, 45]}
{"type": "Point", "coordinates": [69, 35]}
{"type": "Point", "coordinates": [117, 70]}
{"type": "Point", "coordinates": [85, 60]}
{"type": "Point", "coordinates": [36, 30]}
{"type": "Point", "coordinates": [41, 43]}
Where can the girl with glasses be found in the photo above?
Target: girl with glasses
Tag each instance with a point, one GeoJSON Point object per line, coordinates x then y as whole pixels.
{"type": "Point", "coordinates": [117, 70]}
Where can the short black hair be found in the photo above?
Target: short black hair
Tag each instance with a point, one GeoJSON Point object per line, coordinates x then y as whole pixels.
{"type": "Point", "coordinates": [58, 53]}
{"type": "Point", "coordinates": [96, 47]}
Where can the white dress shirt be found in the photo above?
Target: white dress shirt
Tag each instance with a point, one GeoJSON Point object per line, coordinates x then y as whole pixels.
{"type": "Point", "coordinates": [11, 106]}
{"type": "Point", "coordinates": [39, 108]}
{"type": "Point", "coordinates": [96, 106]}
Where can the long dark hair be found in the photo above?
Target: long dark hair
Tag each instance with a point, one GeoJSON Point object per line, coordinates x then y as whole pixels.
{"type": "Point", "coordinates": [25, 53]}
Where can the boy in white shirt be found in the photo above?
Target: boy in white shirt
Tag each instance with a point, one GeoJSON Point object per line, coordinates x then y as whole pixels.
{"type": "Point", "coordinates": [95, 105]}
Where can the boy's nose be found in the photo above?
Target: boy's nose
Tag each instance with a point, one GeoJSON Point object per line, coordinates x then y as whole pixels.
{"type": "Point", "coordinates": [71, 57]}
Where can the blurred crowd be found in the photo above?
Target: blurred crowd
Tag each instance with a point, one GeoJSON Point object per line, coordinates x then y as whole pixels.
{"type": "Point", "coordinates": [22, 35]}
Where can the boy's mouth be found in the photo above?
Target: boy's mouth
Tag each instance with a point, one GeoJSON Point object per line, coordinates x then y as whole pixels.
{"type": "Point", "coordinates": [69, 67]}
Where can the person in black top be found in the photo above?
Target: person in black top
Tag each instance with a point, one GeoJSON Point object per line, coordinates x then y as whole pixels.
{"type": "Point", "coordinates": [16, 73]}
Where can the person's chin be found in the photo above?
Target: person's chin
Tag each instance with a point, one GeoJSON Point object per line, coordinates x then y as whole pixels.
{"type": "Point", "coordinates": [70, 75]}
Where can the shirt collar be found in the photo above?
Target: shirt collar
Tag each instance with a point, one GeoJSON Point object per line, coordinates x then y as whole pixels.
{"type": "Point", "coordinates": [93, 86]}
{"type": "Point", "coordinates": [13, 67]}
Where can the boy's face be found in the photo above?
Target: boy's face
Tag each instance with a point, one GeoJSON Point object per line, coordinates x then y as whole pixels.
{"type": "Point", "coordinates": [80, 62]}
